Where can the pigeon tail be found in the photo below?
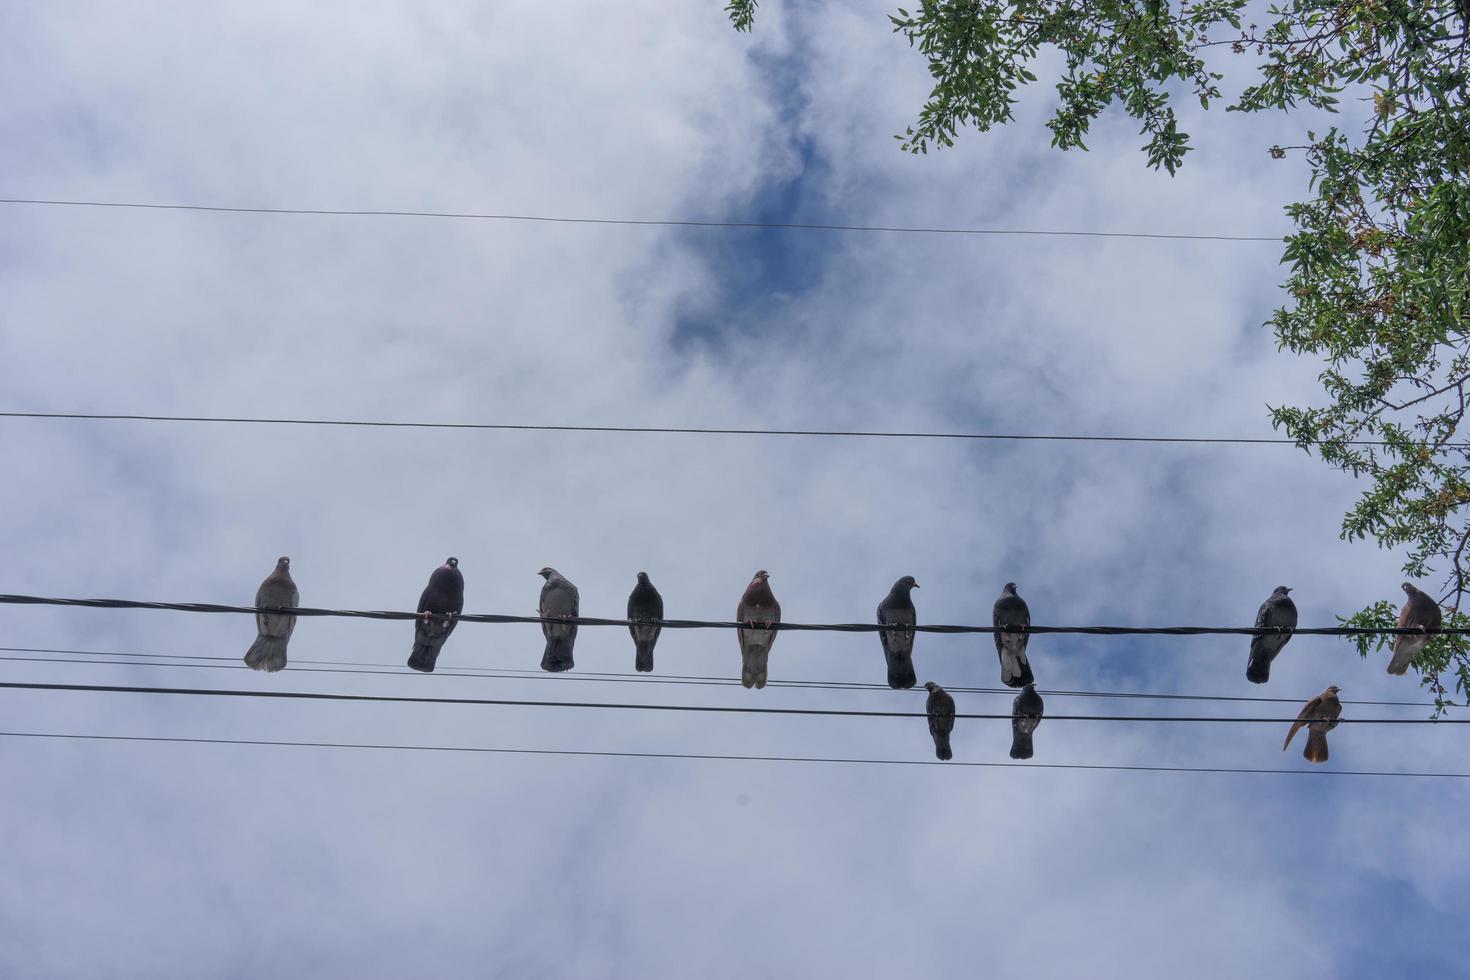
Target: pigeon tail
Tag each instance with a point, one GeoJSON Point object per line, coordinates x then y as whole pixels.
{"type": "Point", "coordinates": [425, 655]}
{"type": "Point", "coordinates": [941, 748]}
{"type": "Point", "coordinates": [267, 653]}
{"type": "Point", "coordinates": [558, 655]}
{"type": "Point", "coordinates": [1258, 671]}
{"type": "Point", "coordinates": [1316, 750]}
{"type": "Point", "coordinates": [1015, 670]}
{"type": "Point", "coordinates": [1021, 747]}
{"type": "Point", "coordinates": [754, 666]}
{"type": "Point", "coordinates": [1403, 654]}
{"type": "Point", "coordinates": [901, 674]}
{"type": "Point", "coordinates": [643, 657]}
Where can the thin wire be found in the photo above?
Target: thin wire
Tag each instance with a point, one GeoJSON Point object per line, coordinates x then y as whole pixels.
{"type": "Point", "coordinates": [686, 430]}
{"type": "Point", "coordinates": [605, 754]}
{"type": "Point", "coordinates": [715, 709]}
{"type": "Point", "coordinates": [693, 680]}
{"type": "Point", "coordinates": [666, 223]}
{"type": "Point", "coordinates": [211, 607]}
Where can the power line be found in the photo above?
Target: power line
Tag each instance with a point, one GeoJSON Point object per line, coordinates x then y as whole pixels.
{"type": "Point", "coordinates": [637, 222]}
{"type": "Point", "coordinates": [696, 680]}
{"type": "Point", "coordinates": [688, 430]}
{"type": "Point", "coordinates": [501, 619]}
{"type": "Point", "coordinates": [714, 709]}
{"type": "Point", "coordinates": [606, 754]}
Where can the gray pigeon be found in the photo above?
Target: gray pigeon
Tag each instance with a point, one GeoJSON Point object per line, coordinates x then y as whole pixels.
{"type": "Point", "coordinates": [558, 599]}
{"type": "Point", "coordinates": [1419, 612]}
{"type": "Point", "coordinates": [758, 607]}
{"type": "Point", "coordinates": [940, 707]}
{"type": "Point", "coordinates": [1026, 712]}
{"type": "Point", "coordinates": [1279, 611]}
{"type": "Point", "coordinates": [268, 652]}
{"type": "Point", "coordinates": [644, 604]}
{"type": "Point", "coordinates": [1320, 715]}
{"type": "Point", "coordinates": [1011, 611]}
{"type": "Point", "coordinates": [439, 607]}
{"type": "Point", "coordinates": [898, 645]}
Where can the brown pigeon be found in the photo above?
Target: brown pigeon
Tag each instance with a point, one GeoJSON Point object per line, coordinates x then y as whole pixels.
{"type": "Point", "coordinates": [439, 607]}
{"type": "Point", "coordinates": [940, 707]}
{"type": "Point", "coordinates": [1011, 611]}
{"type": "Point", "coordinates": [268, 652]}
{"type": "Point", "coordinates": [1280, 611]}
{"type": "Point", "coordinates": [758, 607]}
{"type": "Point", "coordinates": [898, 645]}
{"type": "Point", "coordinates": [559, 598]}
{"type": "Point", "coordinates": [1026, 712]}
{"type": "Point", "coordinates": [1320, 716]}
{"type": "Point", "coordinates": [1419, 612]}
{"type": "Point", "coordinates": [644, 604]}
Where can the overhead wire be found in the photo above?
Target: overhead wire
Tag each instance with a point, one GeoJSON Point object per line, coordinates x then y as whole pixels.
{"type": "Point", "coordinates": [690, 430]}
{"type": "Point", "coordinates": [636, 222]}
{"type": "Point", "coordinates": [677, 624]}
{"type": "Point", "coordinates": [609, 754]}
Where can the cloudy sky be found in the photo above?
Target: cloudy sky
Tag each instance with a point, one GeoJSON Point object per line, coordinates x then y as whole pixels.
{"type": "Point", "coordinates": [146, 859]}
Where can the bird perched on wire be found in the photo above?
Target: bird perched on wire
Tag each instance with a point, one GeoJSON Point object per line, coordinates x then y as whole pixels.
{"type": "Point", "coordinates": [1419, 612]}
{"type": "Point", "coordinates": [1320, 715]}
{"type": "Point", "coordinates": [758, 608]}
{"type": "Point", "coordinates": [1278, 611]}
{"type": "Point", "coordinates": [1026, 712]}
{"type": "Point", "coordinates": [644, 603]}
{"type": "Point", "coordinates": [273, 630]}
{"type": "Point", "coordinates": [439, 607]}
{"type": "Point", "coordinates": [898, 645]}
{"type": "Point", "coordinates": [558, 599]}
{"type": "Point", "coordinates": [940, 708]}
{"type": "Point", "coordinates": [1011, 612]}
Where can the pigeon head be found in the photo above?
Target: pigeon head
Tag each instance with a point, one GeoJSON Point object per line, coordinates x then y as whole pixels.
{"type": "Point", "coordinates": [762, 575]}
{"type": "Point", "coordinates": [1283, 589]}
{"type": "Point", "coordinates": [1010, 588]}
{"type": "Point", "coordinates": [1409, 588]}
{"type": "Point", "coordinates": [930, 685]}
{"type": "Point", "coordinates": [452, 562]}
{"type": "Point", "coordinates": [907, 582]}
{"type": "Point", "coordinates": [1331, 691]}
{"type": "Point", "coordinates": [283, 563]}
{"type": "Point", "coordinates": [547, 572]}
{"type": "Point", "coordinates": [643, 577]}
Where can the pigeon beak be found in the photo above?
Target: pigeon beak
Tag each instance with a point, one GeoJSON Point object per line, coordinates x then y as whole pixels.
{"type": "Point", "coordinates": [916, 585]}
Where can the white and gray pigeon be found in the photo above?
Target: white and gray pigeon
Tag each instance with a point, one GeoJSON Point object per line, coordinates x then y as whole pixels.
{"type": "Point", "coordinates": [559, 598]}
{"type": "Point", "coordinates": [1420, 612]}
{"type": "Point", "coordinates": [1026, 712]}
{"type": "Point", "coordinates": [1278, 611]}
{"type": "Point", "coordinates": [268, 652]}
{"type": "Point", "coordinates": [940, 708]}
{"type": "Point", "coordinates": [898, 645]}
{"type": "Point", "coordinates": [439, 607]}
{"type": "Point", "coordinates": [1011, 612]}
{"type": "Point", "coordinates": [644, 604]}
{"type": "Point", "coordinates": [758, 608]}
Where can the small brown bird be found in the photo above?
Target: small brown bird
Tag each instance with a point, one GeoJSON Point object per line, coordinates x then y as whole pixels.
{"type": "Point", "coordinates": [273, 630]}
{"type": "Point", "coordinates": [758, 607]}
{"type": "Point", "coordinates": [940, 707]}
{"type": "Point", "coordinates": [1320, 715]}
{"type": "Point", "coordinates": [1419, 612]}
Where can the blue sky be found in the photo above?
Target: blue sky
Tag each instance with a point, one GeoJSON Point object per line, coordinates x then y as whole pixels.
{"type": "Point", "coordinates": [161, 859]}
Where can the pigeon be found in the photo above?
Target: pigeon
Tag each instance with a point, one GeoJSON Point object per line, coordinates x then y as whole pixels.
{"type": "Point", "coordinates": [439, 608]}
{"type": "Point", "coordinates": [1026, 712]}
{"type": "Point", "coordinates": [940, 707]}
{"type": "Point", "coordinates": [758, 606]}
{"type": "Point", "coordinates": [644, 604]}
{"type": "Point", "coordinates": [268, 652]}
{"type": "Point", "coordinates": [1280, 611]}
{"type": "Point", "coordinates": [1419, 612]}
{"type": "Point", "coordinates": [1011, 611]}
{"type": "Point", "coordinates": [558, 598]}
{"type": "Point", "coordinates": [1320, 716]}
{"type": "Point", "coordinates": [898, 645]}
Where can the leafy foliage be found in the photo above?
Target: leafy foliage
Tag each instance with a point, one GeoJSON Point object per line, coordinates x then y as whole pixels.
{"type": "Point", "coordinates": [1379, 282]}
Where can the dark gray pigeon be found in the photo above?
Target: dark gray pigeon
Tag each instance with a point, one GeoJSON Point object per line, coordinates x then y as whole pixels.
{"type": "Point", "coordinates": [898, 645]}
{"type": "Point", "coordinates": [268, 652]}
{"type": "Point", "coordinates": [644, 604]}
{"type": "Point", "coordinates": [1419, 612]}
{"type": "Point", "coordinates": [1279, 611]}
{"type": "Point", "coordinates": [758, 607]}
{"type": "Point", "coordinates": [558, 599]}
{"type": "Point", "coordinates": [940, 707]}
{"type": "Point", "coordinates": [439, 607]}
{"type": "Point", "coordinates": [1026, 712]}
{"type": "Point", "coordinates": [1011, 611]}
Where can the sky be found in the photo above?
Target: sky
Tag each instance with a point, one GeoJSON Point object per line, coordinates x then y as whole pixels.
{"type": "Point", "coordinates": [146, 859]}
